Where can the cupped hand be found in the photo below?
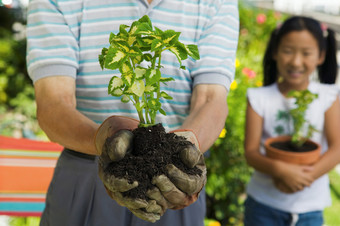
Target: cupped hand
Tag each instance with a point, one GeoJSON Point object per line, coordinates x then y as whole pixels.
{"type": "Point", "coordinates": [179, 189]}
{"type": "Point", "coordinates": [113, 141]}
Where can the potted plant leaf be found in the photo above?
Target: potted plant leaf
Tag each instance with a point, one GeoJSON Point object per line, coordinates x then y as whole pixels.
{"type": "Point", "coordinates": [130, 50]}
{"type": "Point", "coordinates": [296, 147]}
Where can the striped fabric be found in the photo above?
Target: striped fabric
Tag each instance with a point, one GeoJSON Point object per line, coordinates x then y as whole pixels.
{"type": "Point", "coordinates": [26, 169]}
{"type": "Point", "coordinates": [66, 37]}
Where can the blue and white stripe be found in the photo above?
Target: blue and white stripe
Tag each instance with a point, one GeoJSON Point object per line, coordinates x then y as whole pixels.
{"type": "Point", "coordinates": [65, 37]}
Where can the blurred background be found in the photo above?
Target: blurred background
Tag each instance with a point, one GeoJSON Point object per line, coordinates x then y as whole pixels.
{"type": "Point", "coordinates": [227, 170]}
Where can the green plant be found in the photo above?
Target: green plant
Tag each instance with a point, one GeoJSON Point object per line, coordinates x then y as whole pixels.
{"type": "Point", "coordinates": [302, 100]}
{"type": "Point", "coordinates": [141, 85]}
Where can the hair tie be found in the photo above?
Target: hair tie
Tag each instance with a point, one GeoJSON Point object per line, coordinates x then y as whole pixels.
{"type": "Point", "coordinates": [324, 28]}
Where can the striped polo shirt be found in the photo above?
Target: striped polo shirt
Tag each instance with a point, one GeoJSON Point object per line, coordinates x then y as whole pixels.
{"type": "Point", "coordinates": [65, 37]}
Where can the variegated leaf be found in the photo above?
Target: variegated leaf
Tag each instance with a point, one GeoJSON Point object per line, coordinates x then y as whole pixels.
{"type": "Point", "coordinates": [140, 72]}
{"type": "Point", "coordinates": [147, 57]}
{"type": "Point", "coordinates": [117, 92]}
{"type": "Point", "coordinates": [125, 98]}
{"type": "Point", "coordinates": [137, 59]}
{"type": "Point", "coordinates": [150, 88]}
{"type": "Point", "coordinates": [170, 36]}
{"type": "Point", "coordinates": [129, 78]}
{"type": "Point", "coordinates": [133, 27]}
{"type": "Point", "coordinates": [138, 88]}
{"type": "Point", "coordinates": [180, 51]}
{"type": "Point", "coordinates": [152, 76]}
{"type": "Point", "coordinates": [144, 29]}
{"type": "Point", "coordinates": [126, 68]}
{"type": "Point", "coordinates": [114, 58]}
{"type": "Point", "coordinates": [115, 82]}
{"type": "Point", "coordinates": [156, 45]}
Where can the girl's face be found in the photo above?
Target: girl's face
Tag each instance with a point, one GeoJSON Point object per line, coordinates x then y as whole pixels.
{"type": "Point", "coordinates": [297, 57]}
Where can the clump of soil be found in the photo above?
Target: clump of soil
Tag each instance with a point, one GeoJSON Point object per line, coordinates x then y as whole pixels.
{"type": "Point", "coordinates": [288, 146]}
{"type": "Point", "coordinates": [152, 150]}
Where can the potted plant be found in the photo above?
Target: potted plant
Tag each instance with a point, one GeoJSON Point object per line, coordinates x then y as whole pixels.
{"type": "Point", "coordinates": [153, 148]}
{"type": "Point", "coordinates": [296, 148]}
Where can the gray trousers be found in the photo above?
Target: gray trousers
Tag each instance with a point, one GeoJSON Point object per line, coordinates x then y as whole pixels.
{"type": "Point", "coordinates": [77, 197]}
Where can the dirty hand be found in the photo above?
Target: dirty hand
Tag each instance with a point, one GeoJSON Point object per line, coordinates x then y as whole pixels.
{"type": "Point", "coordinates": [179, 189]}
{"type": "Point", "coordinates": [113, 140]}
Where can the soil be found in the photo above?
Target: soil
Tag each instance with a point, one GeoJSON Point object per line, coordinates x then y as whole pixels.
{"type": "Point", "coordinates": [288, 146]}
{"type": "Point", "coordinates": [152, 150]}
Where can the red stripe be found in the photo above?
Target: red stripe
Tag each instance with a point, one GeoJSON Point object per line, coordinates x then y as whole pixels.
{"type": "Point", "coordinates": [21, 214]}
{"type": "Point", "coordinates": [27, 144]}
{"type": "Point", "coordinates": [22, 199]}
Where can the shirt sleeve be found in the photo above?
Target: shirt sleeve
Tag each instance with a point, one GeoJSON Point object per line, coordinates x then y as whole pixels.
{"type": "Point", "coordinates": [255, 100]}
{"type": "Point", "coordinates": [52, 46]}
{"type": "Point", "coordinates": [330, 92]}
{"type": "Point", "coordinates": [217, 44]}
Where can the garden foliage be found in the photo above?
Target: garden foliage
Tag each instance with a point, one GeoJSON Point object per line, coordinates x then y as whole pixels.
{"type": "Point", "coordinates": [228, 172]}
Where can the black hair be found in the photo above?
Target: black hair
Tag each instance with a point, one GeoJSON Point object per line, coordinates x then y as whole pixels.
{"type": "Point", "coordinates": [325, 37]}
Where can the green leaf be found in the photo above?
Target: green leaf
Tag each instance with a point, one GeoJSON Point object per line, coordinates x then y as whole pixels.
{"type": "Point", "coordinates": [122, 30]}
{"type": "Point", "coordinates": [139, 106]}
{"type": "Point", "coordinates": [146, 19]}
{"type": "Point", "coordinates": [125, 98]}
{"type": "Point", "coordinates": [152, 76]}
{"type": "Point", "coordinates": [166, 96]}
{"type": "Point", "coordinates": [168, 79]}
{"type": "Point", "coordinates": [162, 111]}
{"type": "Point", "coordinates": [154, 104]}
{"type": "Point", "coordinates": [140, 72]}
{"type": "Point", "coordinates": [147, 57]}
{"type": "Point", "coordinates": [180, 52]}
{"type": "Point", "coordinates": [102, 57]}
{"type": "Point", "coordinates": [114, 58]}
{"type": "Point", "coordinates": [158, 31]}
{"type": "Point", "coordinates": [170, 37]}
{"type": "Point", "coordinates": [183, 67]}
{"type": "Point", "coordinates": [193, 51]}
{"type": "Point", "coordinates": [156, 45]}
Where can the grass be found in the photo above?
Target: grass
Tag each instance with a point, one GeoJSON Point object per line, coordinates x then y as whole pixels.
{"type": "Point", "coordinates": [331, 214]}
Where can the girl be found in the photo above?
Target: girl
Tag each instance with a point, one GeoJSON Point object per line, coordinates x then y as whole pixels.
{"type": "Point", "coordinates": [280, 193]}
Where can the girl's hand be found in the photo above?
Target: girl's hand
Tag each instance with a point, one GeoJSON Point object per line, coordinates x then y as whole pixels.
{"type": "Point", "coordinates": [293, 178]}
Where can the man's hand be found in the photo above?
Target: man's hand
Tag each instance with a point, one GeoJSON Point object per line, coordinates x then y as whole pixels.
{"type": "Point", "coordinates": [180, 189]}
{"type": "Point", "coordinates": [113, 140]}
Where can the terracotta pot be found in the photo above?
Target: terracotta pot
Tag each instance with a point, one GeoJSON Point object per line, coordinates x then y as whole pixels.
{"type": "Point", "coordinates": [301, 158]}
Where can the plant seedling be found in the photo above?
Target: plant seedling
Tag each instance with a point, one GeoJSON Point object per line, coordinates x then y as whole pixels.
{"type": "Point", "coordinates": [141, 85]}
{"type": "Point", "coordinates": [302, 100]}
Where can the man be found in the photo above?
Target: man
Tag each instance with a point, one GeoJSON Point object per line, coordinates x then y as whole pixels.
{"type": "Point", "coordinates": [64, 41]}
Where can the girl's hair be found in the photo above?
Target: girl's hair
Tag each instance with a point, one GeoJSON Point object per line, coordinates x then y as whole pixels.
{"type": "Point", "coordinates": [327, 72]}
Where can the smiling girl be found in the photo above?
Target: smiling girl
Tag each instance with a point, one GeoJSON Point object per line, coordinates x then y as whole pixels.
{"type": "Point", "coordinates": [281, 193]}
